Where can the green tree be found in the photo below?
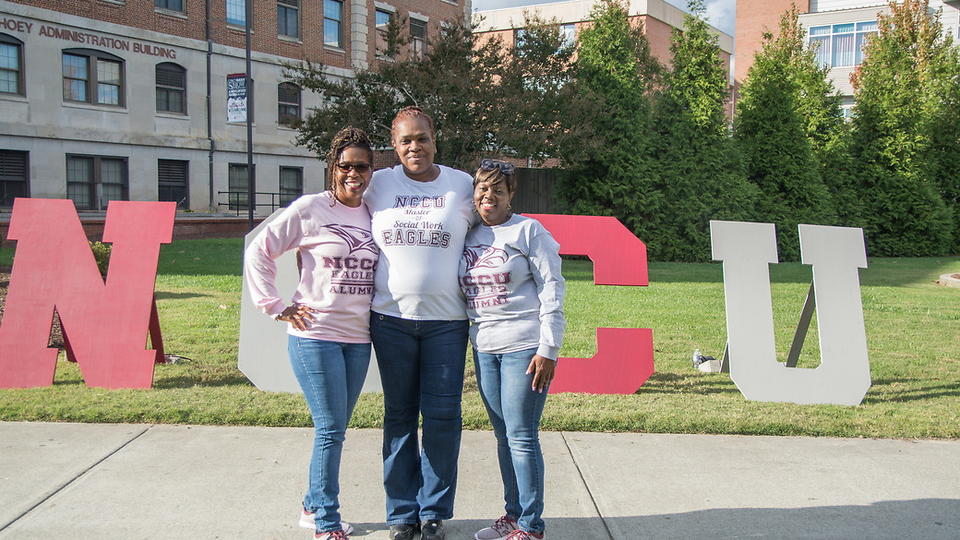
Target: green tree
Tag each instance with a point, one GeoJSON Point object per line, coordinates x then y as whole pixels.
{"type": "Point", "coordinates": [608, 172]}
{"type": "Point", "coordinates": [540, 110]}
{"type": "Point", "coordinates": [484, 98]}
{"type": "Point", "coordinates": [778, 156]}
{"type": "Point", "coordinates": [819, 108]}
{"type": "Point", "coordinates": [453, 82]}
{"type": "Point", "coordinates": [700, 174]}
{"type": "Point", "coordinates": [902, 88]}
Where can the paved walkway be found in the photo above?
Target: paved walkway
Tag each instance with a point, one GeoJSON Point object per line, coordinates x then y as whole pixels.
{"type": "Point", "coordinates": [83, 481]}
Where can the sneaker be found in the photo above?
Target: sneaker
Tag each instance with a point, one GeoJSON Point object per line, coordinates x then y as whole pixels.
{"type": "Point", "coordinates": [308, 521]}
{"type": "Point", "coordinates": [498, 531]}
{"type": "Point", "coordinates": [433, 530]}
{"type": "Point", "coordinates": [332, 535]}
{"type": "Point", "coordinates": [523, 535]}
{"type": "Point", "coordinates": [404, 531]}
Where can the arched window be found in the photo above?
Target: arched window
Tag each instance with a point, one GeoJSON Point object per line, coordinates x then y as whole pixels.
{"type": "Point", "coordinates": [93, 77]}
{"type": "Point", "coordinates": [171, 88]}
{"type": "Point", "coordinates": [288, 101]}
{"type": "Point", "coordinates": [11, 65]}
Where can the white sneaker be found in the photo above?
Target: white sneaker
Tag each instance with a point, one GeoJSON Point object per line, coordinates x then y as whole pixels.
{"type": "Point", "coordinates": [308, 521]}
{"type": "Point", "coordinates": [500, 529]}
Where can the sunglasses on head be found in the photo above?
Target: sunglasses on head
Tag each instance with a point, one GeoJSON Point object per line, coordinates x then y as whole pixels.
{"type": "Point", "coordinates": [488, 164]}
{"type": "Point", "coordinates": [359, 167]}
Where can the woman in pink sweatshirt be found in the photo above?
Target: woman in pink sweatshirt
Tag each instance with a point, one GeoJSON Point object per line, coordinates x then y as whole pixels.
{"type": "Point", "coordinates": [328, 317]}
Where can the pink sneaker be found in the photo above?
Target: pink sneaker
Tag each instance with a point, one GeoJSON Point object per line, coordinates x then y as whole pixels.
{"type": "Point", "coordinates": [332, 535]}
{"type": "Point", "coordinates": [524, 535]}
{"type": "Point", "coordinates": [308, 521]}
{"type": "Point", "coordinates": [498, 531]}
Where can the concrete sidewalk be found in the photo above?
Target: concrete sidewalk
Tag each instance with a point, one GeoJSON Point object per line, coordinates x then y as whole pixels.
{"type": "Point", "coordinates": [198, 482]}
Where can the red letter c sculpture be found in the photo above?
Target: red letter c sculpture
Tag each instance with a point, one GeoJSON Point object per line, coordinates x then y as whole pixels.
{"type": "Point", "coordinates": [624, 359]}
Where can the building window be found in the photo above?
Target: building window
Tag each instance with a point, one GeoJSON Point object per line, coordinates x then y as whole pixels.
{"type": "Point", "coordinates": [288, 18]}
{"type": "Point", "coordinates": [92, 77]}
{"type": "Point", "coordinates": [568, 32]}
{"type": "Point", "coordinates": [172, 185]}
{"type": "Point", "coordinates": [841, 45]}
{"type": "Point", "coordinates": [237, 12]}
{"type": "Point", "coordinates": [519, 35]}
{"type": "Point", "coordinates": [11, 65]}
{"type": "Point", "coordinates": [172, 5]}
{"type": "Point", "coordinates": [14, 176]}
{"type": "Point", "coordinates": [238, 186]}
{"type": "Point", "coordinates": [418, 37]}
{"type": "Point", "coordinates": [92, 181]}
{"type": "Point", "coordinates": [382, 21]}
{"type": "Point", "coordinates": [332, 19]}
{"type": "Point", "coordinates": [288, 100]}
{"type": "Point", "coordinates": [291, 184]}
{"type": "Point", "coordinates": [171, 88]}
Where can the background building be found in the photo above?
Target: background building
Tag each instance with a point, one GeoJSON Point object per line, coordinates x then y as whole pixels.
{"type": "Point", "coordinates": [127, 100]}
{"type": "Point", "coordinates": [658, 17]}
{"type": "Point", "coordinates": [838, 28]}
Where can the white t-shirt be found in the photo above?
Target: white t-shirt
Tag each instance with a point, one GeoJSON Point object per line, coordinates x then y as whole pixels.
{"type": "Point", "coordinates": [419, 228]}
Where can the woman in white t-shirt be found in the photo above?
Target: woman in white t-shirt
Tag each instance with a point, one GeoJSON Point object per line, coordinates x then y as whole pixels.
{"type": "Point", "coordinates": [328, 318]}
{"type": "Point", "coordinates": [421, 213]}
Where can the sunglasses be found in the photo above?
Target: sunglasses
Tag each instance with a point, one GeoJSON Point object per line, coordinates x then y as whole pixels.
{"type": "Point", "coordinates": [488, 164]}
{"type": "Point", "coordinates": [359, 167]}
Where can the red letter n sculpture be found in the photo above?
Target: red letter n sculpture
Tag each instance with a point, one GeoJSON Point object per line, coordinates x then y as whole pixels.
{"type": "Point", "coordinates": [104, 324]}
{"type": "Point", "coordinates": [624, 358]}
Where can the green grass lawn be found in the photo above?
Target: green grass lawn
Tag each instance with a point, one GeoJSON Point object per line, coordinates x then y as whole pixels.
{"type": "Point", "coordinates": [913, 334]}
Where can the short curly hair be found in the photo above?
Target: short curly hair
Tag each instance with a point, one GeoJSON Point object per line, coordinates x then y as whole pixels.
{"type": "Point", "coordinates": [348, 137]}
{"type": "Point", "coordinates": [412, 112]}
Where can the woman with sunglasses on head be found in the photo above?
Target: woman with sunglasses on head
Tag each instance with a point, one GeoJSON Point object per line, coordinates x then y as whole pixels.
{"type": "Point", "coordinates": [510, 276]}
{"type": "Point", "coordinates": [328, 319]}
{"type": "Point", "coordinates": [421, 213]}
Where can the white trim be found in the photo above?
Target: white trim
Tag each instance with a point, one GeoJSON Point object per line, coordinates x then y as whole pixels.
{"type": "Point", "coordinates": [418, 16]}
{"type": "Point", "coordinates": [384, 7]}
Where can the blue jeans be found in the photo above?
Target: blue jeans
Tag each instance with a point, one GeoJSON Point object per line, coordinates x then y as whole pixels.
{"type": "Point", "coordinates": [515, 412]}
{"type": "Point", "coordinates": [331, 375]}
{"type": "Point", "coordinates": [421, 367]}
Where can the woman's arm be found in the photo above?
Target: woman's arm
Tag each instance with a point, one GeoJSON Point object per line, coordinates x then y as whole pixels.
{"type": "Point", "coordinates": [260, 267]}
{"type": "Point", "coordinates": [544, 259]}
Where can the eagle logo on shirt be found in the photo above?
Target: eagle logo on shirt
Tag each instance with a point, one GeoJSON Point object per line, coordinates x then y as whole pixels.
{"type": "Point", "coordinates": [483, 256]}
{"type": "Point", "coordinates": [357, 239]}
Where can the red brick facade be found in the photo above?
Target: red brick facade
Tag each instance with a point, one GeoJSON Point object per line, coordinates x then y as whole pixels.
{"type": "Point", "coordinates": [192, 23]}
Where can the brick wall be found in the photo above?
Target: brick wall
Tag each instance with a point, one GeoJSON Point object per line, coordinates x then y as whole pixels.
{"type": "Point", "coordinates": [754, 17]}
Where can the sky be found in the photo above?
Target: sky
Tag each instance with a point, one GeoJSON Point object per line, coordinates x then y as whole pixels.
{"type": "Point", "coordinates": [720, 13]}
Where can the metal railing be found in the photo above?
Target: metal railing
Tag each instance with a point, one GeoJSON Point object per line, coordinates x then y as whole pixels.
{"type": "Point", "coordinates": [237, 200]}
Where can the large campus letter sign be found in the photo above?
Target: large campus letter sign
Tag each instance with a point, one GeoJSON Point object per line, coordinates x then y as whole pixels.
{"type": "Point", "coordinates": [624, 358]}
{"type": "Point", "coordinates": [836, 253]}
{"type": "Point", "coordinates": [105, 324]}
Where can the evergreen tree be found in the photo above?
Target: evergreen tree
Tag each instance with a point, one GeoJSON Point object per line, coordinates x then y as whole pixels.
{"type": "Point", "coordinates": [901, 89]}
{"type": "Point", "coordinates": [778, 155]}
{"type": "Point", "coordinates": [701, 177]}
{"type": "Point", "coordinates": [822, 117]}
{"type": "Point", "coordinates": [608, 172]}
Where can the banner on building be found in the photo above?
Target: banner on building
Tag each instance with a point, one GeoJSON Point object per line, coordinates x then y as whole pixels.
{"type": "Point", "coordinates": [237, 97]}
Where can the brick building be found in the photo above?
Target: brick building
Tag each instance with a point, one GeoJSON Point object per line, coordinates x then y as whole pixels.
{"type": "Point", "coordinates": [128, 99]}
{"type": "Point", "coordinates": [837, 28]}
{"type": "Point", "coordinates": [658, 17]}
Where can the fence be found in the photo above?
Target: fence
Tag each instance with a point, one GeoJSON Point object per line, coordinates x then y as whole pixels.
{"type": "Point", "coordinates": [536, 191]}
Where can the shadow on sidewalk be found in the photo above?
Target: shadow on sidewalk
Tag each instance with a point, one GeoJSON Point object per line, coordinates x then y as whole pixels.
{"type": "Point", "coordinates": [907, 519]}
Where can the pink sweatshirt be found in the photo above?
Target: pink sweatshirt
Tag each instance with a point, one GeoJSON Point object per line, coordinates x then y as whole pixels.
{"type": "Point", "coordinates": [339, 260]}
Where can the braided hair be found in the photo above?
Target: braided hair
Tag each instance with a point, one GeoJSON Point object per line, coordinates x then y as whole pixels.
{"type": "Point", "coordinates": [348, 137]}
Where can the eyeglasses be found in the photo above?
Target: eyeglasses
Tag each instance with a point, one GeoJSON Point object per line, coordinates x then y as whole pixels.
{"type": "Point", "coordinates": [488, 164]}
{"type": "Point", "coordinates": [359, 167]}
